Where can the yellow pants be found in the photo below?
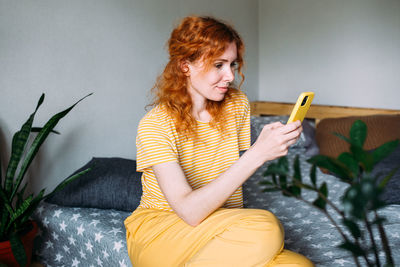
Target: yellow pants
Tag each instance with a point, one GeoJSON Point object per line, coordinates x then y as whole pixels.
{"type": "Point", "coordinates": [228, 237]}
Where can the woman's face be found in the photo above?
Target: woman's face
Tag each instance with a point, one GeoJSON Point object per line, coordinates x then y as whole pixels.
{"type": "Point", "coordinates": [212, 84]}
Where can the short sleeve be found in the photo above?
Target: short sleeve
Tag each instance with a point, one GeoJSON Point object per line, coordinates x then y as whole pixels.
{"type": "Point", "coordinates": [244, 123]}
{"type": "Point", "coordinates": [154, 143]}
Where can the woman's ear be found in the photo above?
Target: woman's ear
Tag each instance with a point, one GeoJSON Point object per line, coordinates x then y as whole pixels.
{"type": "Point", "coordinates": [184, 65]}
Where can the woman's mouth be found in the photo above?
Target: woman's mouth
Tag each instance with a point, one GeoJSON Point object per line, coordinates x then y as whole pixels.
{"type": "Point", "coordinates": [222, 89]}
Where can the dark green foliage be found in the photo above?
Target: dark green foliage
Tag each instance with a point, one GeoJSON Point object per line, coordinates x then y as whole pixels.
{"type": "Point", "coordinates": [359, 203]}
{"type": "Point", "coordinates": [16, 208]}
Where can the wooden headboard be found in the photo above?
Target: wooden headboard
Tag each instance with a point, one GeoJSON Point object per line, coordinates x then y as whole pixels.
{"type": "Point", "coordinates": [316, 112]}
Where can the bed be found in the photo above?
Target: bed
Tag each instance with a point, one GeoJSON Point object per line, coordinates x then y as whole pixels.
{"type": "Point", "coordinates": [80, 227]}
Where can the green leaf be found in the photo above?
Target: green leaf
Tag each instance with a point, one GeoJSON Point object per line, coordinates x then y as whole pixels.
{"type": "Point", "coordinates": [283, 181]}
{"type": "Point", "coordinates": [38, 129]}
{"type": "Point", "coordinates": [353, 228]}
{"type": "Point", "coordinates": [264, 182]}
{"type": "Point", "coordinates": [20, 210]}
{"type": "Point", "coordinates": [358, 133]}
{"type": "Point", "coordinates": [362, 156]}
{"type": "Point", "coordinates": [283, 163]}
{"type": "Point", "coordinates": [351, 163]}
{"type": "Point", "coordinates": [18, 144]}
{"type": "Point", "coordinates": [294, 190]}
{"type": "Point", "coordinates": [271, 189]}
{"type": "Point", "coordinates": [313, 175]}
{"type": "Point", "coordinates": [324, 189]}
{"type": "Point", "coordinates": [18, 249]}
{"type": "Point", "coordinates": [40, 138]}
{"type": "Point", "coordinates": [333, 165]}
{"type": "Point", "coordinates": [275, 169]}
{"type": "Point", "coordinates": [32, 207]}
{"type": "Point", "coordinates": [387, 178]}
{"type": "Point", "coordinates": [297, 170]}
{"type": "Point", "coordinates": [343, 137]}
{"type": "Point", "coordinates": [353, 248]}
{"type": "Point", "coordinates": [320, 203]}
{"type": "Point", "coordinates": [384, 150]}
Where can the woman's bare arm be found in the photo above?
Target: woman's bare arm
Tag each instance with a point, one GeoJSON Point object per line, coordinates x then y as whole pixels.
{"type": "Point", "coordinates": [193, 206]}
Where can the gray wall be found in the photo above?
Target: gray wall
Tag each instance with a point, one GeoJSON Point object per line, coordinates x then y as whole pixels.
{"type": "Point", "coordinates": [347, 51]}
{"type": "Point", "coordinates": [112, 48]}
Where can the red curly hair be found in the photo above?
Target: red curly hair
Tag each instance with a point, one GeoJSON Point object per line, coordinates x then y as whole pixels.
{"type": "Point", "coordinates": [195, 38]}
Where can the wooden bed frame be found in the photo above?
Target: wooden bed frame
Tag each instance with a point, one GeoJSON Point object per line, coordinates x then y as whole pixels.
{"type": "Point", "coordinates": [316, 112]}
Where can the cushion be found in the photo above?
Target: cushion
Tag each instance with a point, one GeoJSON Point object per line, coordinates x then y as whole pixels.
{"type": "Point", "coordinates": [112, 183]}
{"type": "Point", "coordinates": [381, 129]}
{"type": "Point", "coordinates": [391, 194]}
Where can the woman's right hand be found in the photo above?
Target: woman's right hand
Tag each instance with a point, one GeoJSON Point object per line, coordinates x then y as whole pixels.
{"type": "Point", "coordinates": [275, 140]}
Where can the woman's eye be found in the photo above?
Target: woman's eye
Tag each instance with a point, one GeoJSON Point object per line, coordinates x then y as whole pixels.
{"type": "Point", "coordinates": [234, 65]}
{"type": "Point", "coordinates": [218, 65]}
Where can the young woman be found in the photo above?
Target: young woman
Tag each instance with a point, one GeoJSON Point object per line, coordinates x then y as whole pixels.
{"type": "Point", "coordinates": [191, 212]}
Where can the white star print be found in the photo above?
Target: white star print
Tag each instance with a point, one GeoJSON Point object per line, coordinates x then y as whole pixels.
{"type": "Point", "coordinates": [114, 214]}
{"type": "Point", "coordinates": [115, 230]}
{"type": "Point", "coordinates": [95, 214]}
{"type": "Point", "coordinates": [122, 264]}
{"type": "Point", "coordinates": [71, 240]}
{"type": "Point", "coordinates": [395, 235]}
{"type": "Point", "coordinates": [89, 246]}
{"type": "Point", "coordinates": [66, 249]}
{"type": "Point", "coordinates": [297, 215]}
{"type": "Point", "coordinates": [80, 230]}
{"type": "Point", "coordinates": [114, 221]}
{"type": "Point", "coordinates": [98, 237]}
{"type": "Point", "coordinates": [75, 262]}
{"type": "Point", "coordinates": [45, 222]}
{"type": "Point", "coordinates": [55, 235]}
{"type": "Point", "coordinates": [49, 244]}
{"type": "Point", "coordinates": [340, 261]}
{"type": "Point", "coordinates": [328, 235]}
{"type": "Point", "coordinates": [329, 254]}
{"type": "Point", "coordinates": [99, 262]}
{"type": "Point", "coordinates": [75, 216]}
{"type": "Point", "coordinates": [63, 226]}
{"type": "Point", "coordinates": [94, 222]}
{"type": "Point", "coordinates": [58, 257]}
{"type": "Point", "coordinates": [105, 254]}
{"type": "Point", "coordinates": [57, 213]}
{"type": "Point", "coordinates": [117, 246]}
{"type": "Point", "coordinates": [82, 253]}
{"type": "Point", "coordinates": [40, 210]}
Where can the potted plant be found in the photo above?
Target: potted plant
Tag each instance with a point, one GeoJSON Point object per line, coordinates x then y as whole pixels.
{"type": "Point", "coordinates": [17, 230]}
{"type": "Point", "coordinates": [360, 202]}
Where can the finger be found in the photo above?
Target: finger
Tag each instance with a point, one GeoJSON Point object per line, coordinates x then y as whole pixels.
{"type": "Point", "coordinates": [273, 125]}
{"type": "Point", "coordinates": [290, 127]}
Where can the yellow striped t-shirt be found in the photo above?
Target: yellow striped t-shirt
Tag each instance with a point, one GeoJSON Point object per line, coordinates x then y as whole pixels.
{"type": "Point", "coordinates": [201, 160]}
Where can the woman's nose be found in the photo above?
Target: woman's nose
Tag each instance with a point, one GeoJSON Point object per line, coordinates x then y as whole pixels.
{"type": "Point", "coordinates": [229, 75]}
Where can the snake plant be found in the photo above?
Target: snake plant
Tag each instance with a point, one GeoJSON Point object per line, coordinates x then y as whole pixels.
{"type": "Point", "coordinates": [16, 205]}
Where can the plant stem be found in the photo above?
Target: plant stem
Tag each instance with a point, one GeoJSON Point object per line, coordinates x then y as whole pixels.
{"type": "Point", "coordinates": [385, 242]}
{"type": "Point", "coordinates": [371, 236]}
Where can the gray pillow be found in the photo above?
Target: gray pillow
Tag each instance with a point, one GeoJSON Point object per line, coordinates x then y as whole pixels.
{"type": "Point", "coordinates": [391, 193]}
{"type": "Point", "coordinates": [112, 183]}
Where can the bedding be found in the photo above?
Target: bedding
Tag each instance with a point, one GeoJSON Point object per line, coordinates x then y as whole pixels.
{"type": "Point", "coordinates": [82, 236]}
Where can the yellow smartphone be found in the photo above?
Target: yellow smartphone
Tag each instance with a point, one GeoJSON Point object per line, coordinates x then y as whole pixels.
{"type": "Point", "coordinates": [301, 107]}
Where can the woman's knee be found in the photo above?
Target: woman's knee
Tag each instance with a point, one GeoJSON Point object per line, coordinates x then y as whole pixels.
{"type": "Point", "coordinates": [267, 232]}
